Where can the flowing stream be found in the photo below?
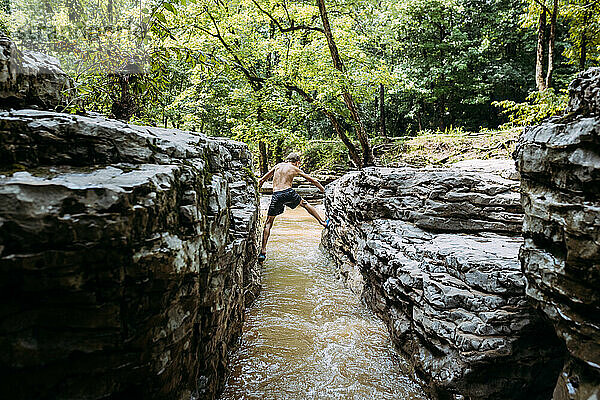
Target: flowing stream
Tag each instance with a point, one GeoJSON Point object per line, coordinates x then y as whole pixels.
{"type": "Point", "coordinates": [309, 337]}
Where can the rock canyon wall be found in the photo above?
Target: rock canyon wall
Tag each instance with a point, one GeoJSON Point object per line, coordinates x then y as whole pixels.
{"type": "Point", "coordinates": [481, 311]}
{"type": "Point", "coordinates": [559, 162]}
{"type": "Point", "coordinates": [127, 253]}
{"type": "Point", "coordinates": [437, 250]}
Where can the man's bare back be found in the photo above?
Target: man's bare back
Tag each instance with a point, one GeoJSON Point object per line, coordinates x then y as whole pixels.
{"type": "Point", "coordinates": [284, 195]}
{"type": "Point", "coordinates": [284, 174]}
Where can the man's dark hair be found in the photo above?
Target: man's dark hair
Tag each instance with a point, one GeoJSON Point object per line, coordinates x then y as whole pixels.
{"type": "Point", "coordinates": [293, 157]}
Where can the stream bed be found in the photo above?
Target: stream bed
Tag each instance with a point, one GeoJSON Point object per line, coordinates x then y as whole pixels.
{"type": "Point", "coordinates": [307, 336]}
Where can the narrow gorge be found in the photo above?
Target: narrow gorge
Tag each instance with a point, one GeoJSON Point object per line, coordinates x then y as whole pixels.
{"type": "Point", "coordinates": [128, 265]}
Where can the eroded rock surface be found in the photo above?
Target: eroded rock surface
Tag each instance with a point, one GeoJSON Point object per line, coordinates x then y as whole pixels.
{"type": "Point", "coordinates": [127, 256]}
{"type": "Point", "coordinates": [437, 250]}
{"type": "Point", "coordinates": [29, 78]}
{"type": "Point", "coordinates": [584, 93]}
{"type": "Point", "coordinates": [559, 161]}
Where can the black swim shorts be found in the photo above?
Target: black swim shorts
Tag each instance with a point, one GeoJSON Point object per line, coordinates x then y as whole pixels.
{"type": "Point", "coordinates": [281, 198]}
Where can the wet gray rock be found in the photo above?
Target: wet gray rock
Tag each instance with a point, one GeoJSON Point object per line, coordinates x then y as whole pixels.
{"type": "Point", "coordinates": [559, 161]}
{"type": "Point", "coordinates": [127, 257]}
{"type": "Point", "coordinates": [437, 199]}
{"type": "Point", "coordinates": [584, 93]}
{"type": "Point", "coordinates": [437, 253]}
{"type": "Point", "coordinates": [29, 78]}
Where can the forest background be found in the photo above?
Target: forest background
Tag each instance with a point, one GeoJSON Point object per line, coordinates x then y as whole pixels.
{"type": "Point", "coordinates": [334, 79]}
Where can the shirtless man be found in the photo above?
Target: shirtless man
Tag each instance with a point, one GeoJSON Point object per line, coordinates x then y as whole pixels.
{"type": "Point", "coordinates": [283, 195]}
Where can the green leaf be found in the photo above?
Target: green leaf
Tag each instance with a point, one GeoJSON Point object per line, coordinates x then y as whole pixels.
{"type": "Point", "coordinates": [170, 7]}
{"type": "Point", "coordinates": [161, 17]}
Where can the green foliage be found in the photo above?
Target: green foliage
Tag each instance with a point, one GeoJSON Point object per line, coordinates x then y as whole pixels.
{"type": "Point", "coordinates": [245, 68]}
{"type": "Point", "coordinates": [584, 32]}
{"type": "Point", "coordinates": [453, 58]}
{"type": "Point", "coordinates": [324, 155]}
{"type": "Point", "coordinates": [120, 62]}
{"type": "Point", "coordinates": [450, 146]}
{"type": "Point", "coordinates": [269, 77]}
{"type": "Point", "coordinates": [537, 107]}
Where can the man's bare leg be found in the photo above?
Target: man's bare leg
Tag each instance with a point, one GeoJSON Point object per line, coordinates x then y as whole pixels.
{"type": "Point", "coordinates": [266, 233]}
{"type": "Point", "coordinates": [313, 211]}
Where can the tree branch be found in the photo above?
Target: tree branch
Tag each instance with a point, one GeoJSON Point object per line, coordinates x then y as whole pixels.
{"type": "Point", "coordinates": [258, 82]}
{"type": "Point", "coordinates": [254, 80]}
{"type": "Point", "coordinates": [543, 6]}
{"type": "Point", "coordinates": [334, 121]}
{"type": "Point", "coordinates": [361, 134]}
{"type": "Point", "coordinates": [292, 27]}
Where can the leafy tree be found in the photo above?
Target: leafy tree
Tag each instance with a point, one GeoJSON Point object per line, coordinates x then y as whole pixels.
{"type": "Point", "coordinates": [278, 74]}
{"type": "Point", "coordinates": [112, 50]}
{"type": "Point", "coordinates": [537, 107]}
{"type": "Point", "coordinates": [277, 48]}
{"type": "Point", "coordinates": [451, 60]}
{"type": "Point", "coordinates": [348, 98]}
{"type": "Point", "coordinates": [544, 10]}
{"type": "Point", "coordinates": [584, 32]}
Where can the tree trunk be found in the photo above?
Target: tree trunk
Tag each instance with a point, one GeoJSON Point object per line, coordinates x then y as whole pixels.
{"type": "Point", "coordinates": [344, 138]}
{"type": "Point", "coordinates": [441, 109]}
{"type": "Point", "coordinates": [539, 59]}
{"type": "Point", "coordinates": [582, 52]}
{"type": "Point", "coordinates": [583, 48]}
{"type": "Point", "coordinates": [279, 150]}
{"type": "Point", "coordinates": [126, 106]}
{"type": "Point", "coordinates": [551, 42]}
{"type": "Point", "coordinates": [336, 125]}
{"type": "Point", "coordinates": [382, 130]}
{"type": "Point", "coordinates": [110, 11]}
{"type": "Point", "coordinates": [348, 99]}
{"type": "Point", "coordinates": [376, 124]}
{"type": "Point", "coordinates": [263, 161]}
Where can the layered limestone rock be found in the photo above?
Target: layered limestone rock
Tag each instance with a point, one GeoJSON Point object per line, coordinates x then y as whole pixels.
{"type": "Point", "coordinates": [127, 256]}
{"type": "Point", "coordinates": [559, 161]}
{"type": "Point", "coordinates": [437, 250]}
{"type": "Point", "coordinates": [30, 78]}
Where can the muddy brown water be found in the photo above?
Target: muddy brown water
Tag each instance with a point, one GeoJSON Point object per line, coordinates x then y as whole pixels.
{"type": "Point", "coordinates": [307, 336]}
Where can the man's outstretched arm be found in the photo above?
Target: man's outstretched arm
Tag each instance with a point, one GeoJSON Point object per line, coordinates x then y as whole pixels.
{"type": "Point", "coordinates": [265, 178]}
{"type": "Point", "coordinates": [311, 180]}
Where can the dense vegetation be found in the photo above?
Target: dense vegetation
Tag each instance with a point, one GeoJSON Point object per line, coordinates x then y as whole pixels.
{"type": "Point", "coordinates": [282, 74]}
